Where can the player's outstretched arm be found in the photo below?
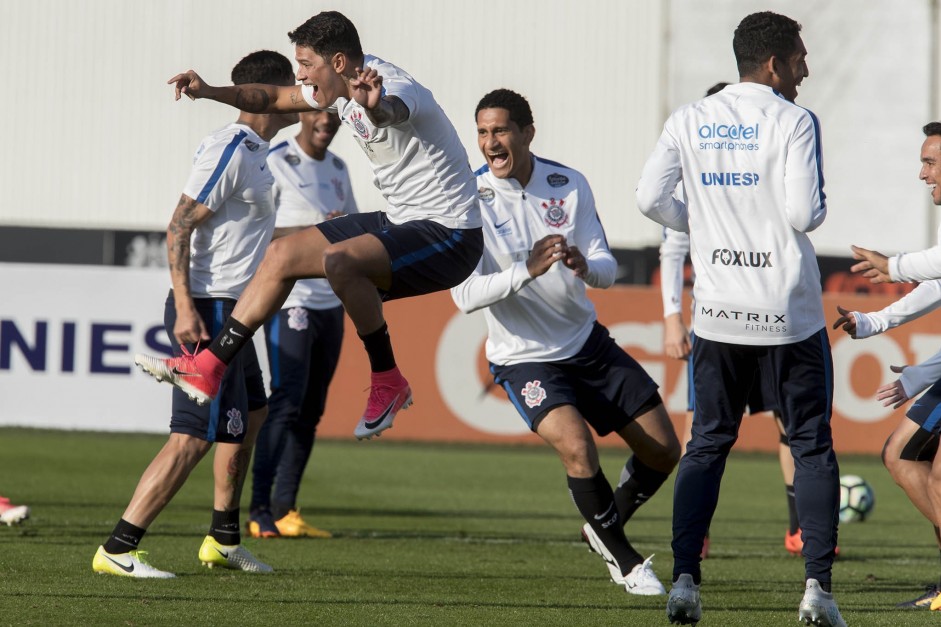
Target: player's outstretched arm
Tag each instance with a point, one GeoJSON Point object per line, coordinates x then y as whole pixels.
{"type": "Point", "coordinates": [251, 97]}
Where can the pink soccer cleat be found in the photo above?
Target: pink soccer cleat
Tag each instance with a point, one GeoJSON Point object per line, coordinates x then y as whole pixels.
{"type": "Point", "coordinates": [199, 375]}
{"type": "Point", "coordinates": [388, 394]}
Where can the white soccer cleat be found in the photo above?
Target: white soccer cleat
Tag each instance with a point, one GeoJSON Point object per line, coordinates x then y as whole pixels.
{"type": "Point", "coordinates": [595, 545]}
{"type": "Point", "coordinates": [131, 564]}
{"type": "Point", "coordinates": [236, 557]}
{"type": "Point", "coordinates": [684, 606]}
{"type": "Point", "coordinates": [643, 581]}
{"type": "Point", "coordinates": [818, 607]}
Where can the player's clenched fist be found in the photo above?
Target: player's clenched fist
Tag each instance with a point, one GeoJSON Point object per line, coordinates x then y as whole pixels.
{"type": "Point", "coordinates": [545, 252]}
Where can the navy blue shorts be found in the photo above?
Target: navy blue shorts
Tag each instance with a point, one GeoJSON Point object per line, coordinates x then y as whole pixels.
{"type": "Point", "coordinates": [926, 411]}
{"type": "Point", "coordinates": [225, 419]}
{"type": "Point", "coordinates": [760, 397]}
{"type": "Point", "coordinates": [604, 383]}
{"type": "Point", "coordinates": [426, 257]}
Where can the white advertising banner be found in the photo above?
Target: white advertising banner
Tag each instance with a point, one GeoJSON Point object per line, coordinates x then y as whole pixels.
{"type": "Point", "coordinates": [68, 335]}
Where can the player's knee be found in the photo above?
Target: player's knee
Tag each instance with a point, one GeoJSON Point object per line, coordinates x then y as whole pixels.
{"type": "Point", "coordinates": [277, 259]}
{"type": "Point", "coordinates": [337, 263]}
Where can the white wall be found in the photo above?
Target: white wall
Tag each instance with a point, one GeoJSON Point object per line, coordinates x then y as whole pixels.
{"type": "Point", "coordinates": [95, 140]}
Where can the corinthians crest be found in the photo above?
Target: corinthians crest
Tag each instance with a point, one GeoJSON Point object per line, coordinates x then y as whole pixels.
{"type": "Point", "coordinates": [556, 215]}
{"type": "Point", "coordinates": [356, 118]}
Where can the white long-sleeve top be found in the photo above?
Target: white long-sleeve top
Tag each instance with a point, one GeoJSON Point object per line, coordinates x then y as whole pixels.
{"type": "Point", "coordinates": [923, 299]}
{"type": "Point", "coordinates": [924, 265]}
{"type": "Point", "coordinates": [751, 167]}
{"type": "Point", "coordinates": [673, 250]}
{"type": "Point", "coordinates": [550, 317]}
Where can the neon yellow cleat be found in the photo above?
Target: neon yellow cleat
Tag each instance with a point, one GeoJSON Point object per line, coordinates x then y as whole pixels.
{"type": "Point", "coordinates": [293, 526]}
{"type": "Point", "coordinates": [131, 564]}
{"type": "Point", "coordinates": [236, 557]}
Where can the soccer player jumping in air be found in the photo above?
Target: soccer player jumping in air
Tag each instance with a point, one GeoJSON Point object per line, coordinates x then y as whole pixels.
{"type": "Point", "coordinates": [428, 239]}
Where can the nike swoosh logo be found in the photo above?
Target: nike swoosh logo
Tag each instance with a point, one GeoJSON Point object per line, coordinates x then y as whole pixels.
{"type": "Point", "coordinates": [127, 569]}
{"type": "Point", "coordinates": [382, 416]}
{"type": "Point", "coordinates": [182, 373]}
{"type": "Point", "coordinates": [303, 185]}
{"type": "Point", "coordinates": [222, 553]}
{"type": "Point", "coordinates": [501, 225]}
{"type": "Point", "coordinates": [262, 168]}
{"type": "Point", "coordinates": [236, 333]}
{"type": "Point", "coordinates": [606, 512]}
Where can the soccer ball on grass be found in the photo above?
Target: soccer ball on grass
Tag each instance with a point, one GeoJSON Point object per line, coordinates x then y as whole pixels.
{"type": "Point", "coordinates": [856, 499]}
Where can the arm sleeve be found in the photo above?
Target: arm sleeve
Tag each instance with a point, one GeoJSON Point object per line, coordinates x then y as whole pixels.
{"type": "Point", "coordinates": [916, 379]}
{"type": "Point", "coordinates": [806, 204]}
{"type": "Point", "coordinates": [923, 299]}
{"type": "Point", "coordinates": [658, 180]}
{"type": "Point", "coordinates": [920, 266]}
{"type": "Point", "coordinates": [592, 242]}
{"type": "Point", "coordinates": [216, 173]}
{"type": "Point", "coordinates": [673, 251]}
{"type": "Point", "coordinates": [482, 290]}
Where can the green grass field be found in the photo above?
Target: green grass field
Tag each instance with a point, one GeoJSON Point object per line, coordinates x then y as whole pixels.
{"type": "Point", "coordinates": [425, 535]}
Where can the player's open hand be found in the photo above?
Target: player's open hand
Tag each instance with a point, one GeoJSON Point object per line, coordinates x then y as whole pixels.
{"type": "Point", "coordinates": [893, 393]}
{"type": "Point", "coordinates": [188, 83]}
{"type": "Point", "coordinates": [545, 252]}
{"type": "Point", "coordinates": [873, 265]}
{"type": "Point", "coordinates": [366, 88]}
{"type": "Point", "coordinates": [847, 321]}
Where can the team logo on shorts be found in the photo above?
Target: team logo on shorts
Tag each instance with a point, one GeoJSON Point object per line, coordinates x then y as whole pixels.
{"type": "Point", "coordinates": [534, 394]}
{"type": "Point", "coordinates": [235, 426]}
{"type": "Point", "coordinates": [485, 193]}
{"type": "Point", "coordinates": [357, 120]}
{"type": "Point", "coordinates": [292, 159]}
{"type": "Point", "coordinates": [338, 188]}
{"type": "Point", "coordinates": [297, 318]}
{"type": "Point", "coordinates": [557, 180]}
{"type": "Point", "coordinates": [555, 212]}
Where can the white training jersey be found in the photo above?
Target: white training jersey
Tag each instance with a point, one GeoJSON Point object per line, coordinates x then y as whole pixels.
{"type": "Point", "coordinates": [420, 165]}
{"type": "Point", "coordinates": [751, 167]}
{"type": "Point", "coordinates": [231, 178]}
{"type": "Point", "coordinates": [674, 247]}
{"type": "Point", "coordinates": [306, 191]}
{"type": "Point", "coordinates": [547, 318]}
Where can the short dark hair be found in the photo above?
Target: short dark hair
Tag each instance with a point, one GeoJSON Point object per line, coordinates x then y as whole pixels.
{"type": "Point", "coordinates": [520, 113]}
{"type": "Point", "coordinates": [716, 88]}
{"type": "Point", "coordinates": [328, 33]}
{"type": "Point", "coordinates": [932, 128]}
{"type": "Point", "coordinates": [263, 66]}
{"type": "Point", "coordinates": [762, 35]}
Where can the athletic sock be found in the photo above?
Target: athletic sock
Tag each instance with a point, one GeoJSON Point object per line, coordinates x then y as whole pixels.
{"type": "Point", "coordinates": [637, 484]}
{"type": "Point", "coordinates": [225, 527]}
{"type": "Point", "coordinates": [230, 341]}
{"type": "Point", "coordinates": [125, 538]}
{"type": "Point", "coordinates": [379, 348]}
{"type": "Point", "coordinates": [793, 523]}
{"type": "Point", "coordinates": [595, 501]}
